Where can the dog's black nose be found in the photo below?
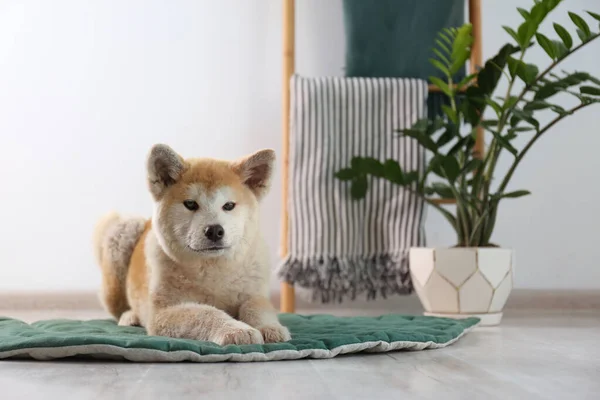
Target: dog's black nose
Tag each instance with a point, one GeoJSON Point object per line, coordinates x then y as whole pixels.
{"type": "Point", "coordinates": [214, 232]}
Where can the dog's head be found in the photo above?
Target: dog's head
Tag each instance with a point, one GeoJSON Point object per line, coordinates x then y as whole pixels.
{"type": "Point", "coordinates": [206, 207]}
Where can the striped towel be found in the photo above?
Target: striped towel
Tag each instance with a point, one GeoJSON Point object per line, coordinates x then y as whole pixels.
{"type": "Point", "coordinates": [339, 247]}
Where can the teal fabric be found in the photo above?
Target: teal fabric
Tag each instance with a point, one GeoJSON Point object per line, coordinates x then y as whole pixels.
{"type": "Point", "coordinates": [317, 332]}
{"type": "Point", "coordinates": [395, 38]}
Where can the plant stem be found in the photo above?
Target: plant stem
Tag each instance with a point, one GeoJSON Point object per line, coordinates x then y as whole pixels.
{"type": "Point", "coordinates": [494, 151]}
{"type": "Point", "coordinates": [501, 123]}
{"type": "Point", "coordinates": [518, 159]}
{"type": "Point", "coordinates": [461, 210]}
{"type": "Point", "coordinates": [477, 182]}
{"type": "Point", "coordinates": [491, 159]}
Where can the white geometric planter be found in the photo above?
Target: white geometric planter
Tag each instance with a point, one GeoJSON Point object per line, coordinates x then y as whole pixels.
{"type": "Point", "coordinates": [463, 281]}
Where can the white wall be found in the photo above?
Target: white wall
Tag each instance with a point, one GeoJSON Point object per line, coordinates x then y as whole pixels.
{"type": "Point", "coordinates": [87, 87]}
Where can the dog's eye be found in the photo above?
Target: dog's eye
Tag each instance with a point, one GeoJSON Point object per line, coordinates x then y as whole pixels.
{"type": "Point", "coordinates": [229, 206]}
{"type": "Point", "coordinates": [191, 205]}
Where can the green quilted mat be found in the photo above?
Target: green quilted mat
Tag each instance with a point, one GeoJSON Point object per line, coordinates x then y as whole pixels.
{"type": "Point", "coordinates": [315, 336]}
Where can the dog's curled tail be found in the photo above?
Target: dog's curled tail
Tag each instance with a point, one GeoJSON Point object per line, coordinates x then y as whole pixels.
{"type": "Point", "coordinates": [114, 240]}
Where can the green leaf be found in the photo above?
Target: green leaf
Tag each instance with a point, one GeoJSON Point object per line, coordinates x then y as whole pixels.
{"type": "Point", "coordinates": [546, 44]}
{"type": "Point", "coordinates": [450, 113]}
{"type": "Point", "coordinates": [523, 115]}
{"type": "Point", "coordinates": [355, 163]}
{"type": "Point", "coordinates": [511, 102]}
{"type": "Point", "coordinates": [471, 166]}
{"type": "Point", "coordinates": [580, 23]}
{"type": "Point", "coordinates": [546, 91]}
{"type": "Point", "coordinates": [442, 190]}
{"type": "Point", "coordinates": [564, 35]}
{"type": "Point", "coordinates": [411, 177]}
{"type": "Point", "coordinates": [594, 91]}
{"type": "Point", "coordinates": [421, 124]}
{"type": "Point", "coordinates": [467, 80]}
{"type": "Point", "coordinates": [522, 129]}
{"type": "Point", "coordinates": [593, 79]}
{"type": "Point", "coordinates": [550, 88]}
{"type": "Point", "coordinates": [512, 195]}
{"type": "Point", "coordinates": [541, 9]}
{"type": "Point", "coordinates": [428, 191]}
{"type": "Point", "coordinates": [536, 105]}
{"type": "Point", "coordinates": [393, 172]}
{"type": "Point", "coordinates": [587, 99]}
{"type": "Point", "coordinates": [447, 39]}
{"type": "Point", "coordinates": [465, 143]}
{"type": "Point", "coordinates": [524, 13]}
{"type": "Point", "coordinates": [359, 187]}
{"type": "Point", "coordinates": [512, 33]}
{"type": "Point", "coordinates": [345, 174]}
{"type": "Point", "coordinates": [435, 165]}
{"type": "Point", "coordinates": [582, 35]}
{"type": "Point", "coordinates": [442, 85]}
{"type": "Point", "coordinates": [490, 74]}
{"type": "Point", "coordinates": [474, 102]}
{"type": "Point", "coordinates": [513, 65]}
{"type": "Point", "coordinates": [437, 124]}
{"type": "Point", "coordinates": [461, 48]}
{"type": "Point", "coordinates": [538, 12]}
{"type": "Point", "coordinates": [594, 15]}
{"type": "Point", "coordinates": [442, 46]}
{"type": "Point", "coordinates": [446, 137]}
{"type": "Point", "coordinates": [442, 57]}
{"type": "Point", "coordinates": [446, 167]}
{"type": "Point", "coordinates": [502, 141]}
{"type": "Point", "coordinates": [533, 20]}
{"type": "Point", "coordinates": [489, 122]}
{"type": "Point", "coordinates": [559, 49]}
{"type": "Point", "coordinates": [471, 107]}
{"type": "Point", "coordinates": [551, 4]}
{"type": "Point", "coordinates": [450, 31]}
{"type": "Point", "coordinates": [512, 131]}
{"type": "Point", "coordinates": [450, 168]}
{"type": "Point", "coordinates": [368, 165]}
{"type": "Point", "coordinates": [423, 139]}
{"type": "Point", "coordinates": [541, 105]}
{"type": "Point", "coordinates": [558, 109]}
{"type": "Point", "coordinates": [527, 72]}
{"type": "Point", "coordinates": [524, 32]}
{"type": "Point", "coordinates": [574, 79]}
{"type": "Point", "coordinates": [497, 107]}
{"type": "Point", "coordinates": [438, 64]}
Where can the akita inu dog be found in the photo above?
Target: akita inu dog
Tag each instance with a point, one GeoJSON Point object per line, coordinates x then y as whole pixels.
{"type": "Point", "coordinates": [199, 269]}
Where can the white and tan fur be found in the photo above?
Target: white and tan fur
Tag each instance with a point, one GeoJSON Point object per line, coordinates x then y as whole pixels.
{"type": "Point", "coordinates": [167, 275]}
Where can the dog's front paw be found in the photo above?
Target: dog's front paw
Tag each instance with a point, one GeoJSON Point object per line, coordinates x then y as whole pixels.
{"type": "Point", "coordinates": [238, 334]}
{"type": "Point", "coordinates": [275, 333]}
{"type": "Point", "coordinates": [128, 318]}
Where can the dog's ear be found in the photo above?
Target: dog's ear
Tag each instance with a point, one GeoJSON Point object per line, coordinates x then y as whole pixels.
{"type": "Point", "coordinates": [165, 167]}
{"type": "Point", "coordinates": [256, 170]}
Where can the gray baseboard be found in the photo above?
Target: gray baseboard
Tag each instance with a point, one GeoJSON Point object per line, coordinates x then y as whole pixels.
{"type": "Point", "coordinates": [520, 299]}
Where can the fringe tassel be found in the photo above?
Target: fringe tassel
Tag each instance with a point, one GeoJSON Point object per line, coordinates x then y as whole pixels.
{"type": "Point", "coordinates": [333, 279]}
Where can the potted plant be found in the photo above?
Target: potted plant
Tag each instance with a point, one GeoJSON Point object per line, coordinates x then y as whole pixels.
{"type": "Point", "coordinates": [474, 278]}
